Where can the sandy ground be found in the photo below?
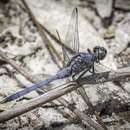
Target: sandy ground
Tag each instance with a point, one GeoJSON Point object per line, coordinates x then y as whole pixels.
{"type": "Point", "coordinates": [23, 43]}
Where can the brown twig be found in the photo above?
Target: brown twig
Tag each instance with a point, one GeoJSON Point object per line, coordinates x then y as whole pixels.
{"type": "Point", "coordinates": [44, 38]}
{"type": "Point", "coordinates": [59, 91]}
{"type": "Point", "coordinates": [51, 95]}
{"type": "Point", "coordinates": [41, 28]}
{"type": "Point", "coordinates": [85, 97]}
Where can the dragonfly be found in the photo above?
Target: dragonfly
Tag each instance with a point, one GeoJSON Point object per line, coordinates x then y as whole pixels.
{"type": "Point", "coordinates": [79, 62]}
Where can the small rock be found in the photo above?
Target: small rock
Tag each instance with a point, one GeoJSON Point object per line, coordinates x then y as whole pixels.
{"type": "Point", "coordinates": [122, 34]}
{"type": "Point", "coordinates": [104, 8]}
{"type": "Point", "coordinates": [109, 33]}
{"type": "Point", "coordinates": [122, 4]}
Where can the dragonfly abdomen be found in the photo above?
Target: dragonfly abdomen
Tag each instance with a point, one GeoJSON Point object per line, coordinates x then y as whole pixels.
{"type": "Point", "coordinates": [60, 74]}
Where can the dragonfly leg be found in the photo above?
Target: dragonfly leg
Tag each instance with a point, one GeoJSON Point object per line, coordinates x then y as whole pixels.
{"type": "Point", "coordinates": [73, 76]}
{"type": "Point", "coordinates": [92, 70]}
{"type": "Point", "coordinates": [83, 73]}
{"type": "Point", "coordinates": [93, 73]}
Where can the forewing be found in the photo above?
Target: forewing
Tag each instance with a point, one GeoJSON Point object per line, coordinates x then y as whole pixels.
{"type": "Point", "coordinates": [72, 36]}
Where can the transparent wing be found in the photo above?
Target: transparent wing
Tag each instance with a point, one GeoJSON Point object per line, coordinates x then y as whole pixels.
{"type": "Point", "coordinates": [72, 36]}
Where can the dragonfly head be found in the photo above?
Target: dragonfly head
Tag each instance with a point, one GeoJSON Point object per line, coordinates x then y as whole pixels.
{"type": "Point", "coordinates": [100, 53]}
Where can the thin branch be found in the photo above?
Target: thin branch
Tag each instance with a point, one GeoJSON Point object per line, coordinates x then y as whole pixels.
{"type": "Point", "coordinates": [56, 40]}
{"type": "Point", "coordinates": [117, 75]}
{"type": "Point", "coordinates": [41, 28]}
{"type": "Point", "coordinates": [44, 38]}
{"type": "Point", "coordinates": [85, 97]}
{"type": "Point", "coordinates": [49, 96]}
{"type": "Point", "coordinates": [62, 90]}
{"type": "Point", "coordinates": [51, 49]}
{"type": "Point", "coordinates": [15, 65]}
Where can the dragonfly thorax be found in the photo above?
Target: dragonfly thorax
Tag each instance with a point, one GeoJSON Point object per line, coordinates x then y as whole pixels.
{"type": "Point", "coordinates": [80, 62]}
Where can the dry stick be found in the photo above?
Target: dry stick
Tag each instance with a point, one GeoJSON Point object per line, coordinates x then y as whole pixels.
{"type": "Point", "coordinates": [50, 48]}
{"type": "Point", "coordinates": [44, 38]}
{"type": "Point", "coordinates": [49, 96]}
{"type": "Point", "coordinates": [17, 66]}
{"type": "Point", "coordinates": [40, 30]}
{"type": "Point", "coordinates": [56, 40]}
{"type": "Point", "coordinates": [48, 44]}
{"type": "Point", "coordinates": [84, 95]}
{"type": "Point", "coordinates": [62, 90]}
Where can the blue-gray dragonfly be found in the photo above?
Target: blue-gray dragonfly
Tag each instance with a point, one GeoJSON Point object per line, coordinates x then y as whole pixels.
{"type": "Point", "coordinates": [80, 62]}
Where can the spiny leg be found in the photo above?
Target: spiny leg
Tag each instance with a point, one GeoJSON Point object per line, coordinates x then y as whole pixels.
{"type": "Point", "coordinates": [74, 75]}
{"type": "Point", "coordinates": [93, 70]}
{"type": "Point", "coordinates": [93, 73]}
{"type": "Point", "coordinates": [82, 73]}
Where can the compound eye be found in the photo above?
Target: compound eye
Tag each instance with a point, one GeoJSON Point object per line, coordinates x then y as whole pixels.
{"type": "Point", "coordinates": [100, 52]}
{"type": "Point", "coordinates": [104, 50]}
